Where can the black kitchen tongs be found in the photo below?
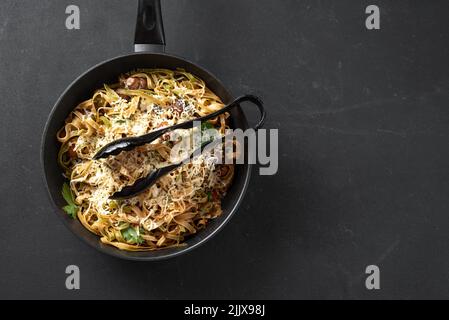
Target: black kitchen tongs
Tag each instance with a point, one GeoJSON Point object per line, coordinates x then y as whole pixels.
{"type": "Point", "coordinates": [127, 144]}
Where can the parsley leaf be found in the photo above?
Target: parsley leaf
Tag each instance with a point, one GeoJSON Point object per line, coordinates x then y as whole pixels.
{"type": "Point", "coordinates": [206, 125]}
{"type": "Point", "coordinates": [71, 208]}
{"type": "Point", "coordinates": [131, 236]}
{"type": "Point", "coordinates": [71, 211]}
{"type": "Point", "coordinates": [207, 136]}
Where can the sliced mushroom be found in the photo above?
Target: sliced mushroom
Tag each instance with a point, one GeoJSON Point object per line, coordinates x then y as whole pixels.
{"type": "Point", "coordinates": [135, 83]}
{"type": "Point", "coordinates": [178, 106]}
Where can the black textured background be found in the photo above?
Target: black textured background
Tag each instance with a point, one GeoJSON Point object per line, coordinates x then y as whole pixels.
{"type": "Point", "coordinates": [363, 121]}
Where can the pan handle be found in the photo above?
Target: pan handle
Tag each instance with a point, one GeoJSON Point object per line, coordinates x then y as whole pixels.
{"type": "Point", "coordinates": [149, 34]}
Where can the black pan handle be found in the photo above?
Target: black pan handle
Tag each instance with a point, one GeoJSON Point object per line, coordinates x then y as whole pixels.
{"type": "Point", "coordinates": [149, 34]}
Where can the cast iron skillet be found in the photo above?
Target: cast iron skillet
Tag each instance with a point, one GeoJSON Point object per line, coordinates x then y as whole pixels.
{"type": "Point", "coordinates": [149, 47]}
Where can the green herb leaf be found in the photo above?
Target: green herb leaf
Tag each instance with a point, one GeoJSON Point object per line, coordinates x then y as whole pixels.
{"type": "Point", "coordinates": [127, 209]}
{"type": "Point", "coordinates": [209, 196]}
{"type": "Point", "coordinates": [67, 193]}
{"type": "Point", "coordinates": [120, 121]}
{"type": "Point", "coordinates": [71, 208]}
{"type": "Point", "coordinates": [206, 126]}
{"type": "Point", "coordinates": [131, 236]}
{"type": "Point", "coordinates": [206, 136]}
{"type": "Point", "coordinates": [105, 121]}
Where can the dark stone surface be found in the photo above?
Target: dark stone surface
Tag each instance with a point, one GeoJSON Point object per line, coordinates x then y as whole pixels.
{"type": "Point", "coordinates": [363, 121]}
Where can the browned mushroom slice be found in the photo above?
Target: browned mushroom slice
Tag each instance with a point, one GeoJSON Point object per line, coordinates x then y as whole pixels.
{"type": "Point", "coordinates": [135, 83]}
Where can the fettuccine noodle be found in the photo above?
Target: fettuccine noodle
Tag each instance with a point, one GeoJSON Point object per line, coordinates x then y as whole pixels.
{"type": "Point", "coordinates": [180, 203]}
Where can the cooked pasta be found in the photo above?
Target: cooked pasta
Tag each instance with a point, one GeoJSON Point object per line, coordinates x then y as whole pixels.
{"type": "Point", "coordinates": [181, 202]}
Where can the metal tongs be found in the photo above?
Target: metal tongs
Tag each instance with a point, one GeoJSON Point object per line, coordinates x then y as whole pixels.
{"type": "Point", "coordinates": [127, 144]}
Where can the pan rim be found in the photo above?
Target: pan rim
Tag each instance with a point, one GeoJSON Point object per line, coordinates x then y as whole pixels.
{"type": "Point", "coordinates": [117, 253]}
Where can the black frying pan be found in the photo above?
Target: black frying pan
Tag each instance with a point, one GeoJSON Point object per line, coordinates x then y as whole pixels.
{"type": "Point", "coordinates": [149, 47]}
